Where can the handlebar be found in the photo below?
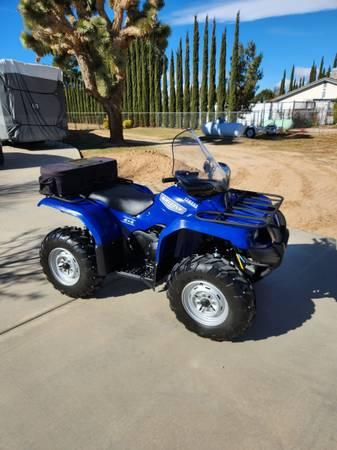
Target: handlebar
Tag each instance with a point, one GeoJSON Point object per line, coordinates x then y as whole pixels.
{"type": "Point", "coordinates": [169, 180]}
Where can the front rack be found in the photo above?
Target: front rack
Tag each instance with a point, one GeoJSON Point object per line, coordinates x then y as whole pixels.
{"type": "Point", "coordinates": [245, 209]}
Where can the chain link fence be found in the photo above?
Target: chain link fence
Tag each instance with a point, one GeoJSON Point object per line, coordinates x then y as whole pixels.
{"type": "Point", "coordinates": [284, 119]}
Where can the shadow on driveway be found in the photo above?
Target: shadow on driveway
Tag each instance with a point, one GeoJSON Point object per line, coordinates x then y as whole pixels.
{"type": "Point", "coordinates": [19, 264]}
{"type": "Point", "coordinates": [21, 160]}
{"type": "Point", "coordinates": [285, 299]}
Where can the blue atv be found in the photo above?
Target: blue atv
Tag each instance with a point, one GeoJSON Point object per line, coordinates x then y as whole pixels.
{"type": "Point", "coordinates": [207, 241]}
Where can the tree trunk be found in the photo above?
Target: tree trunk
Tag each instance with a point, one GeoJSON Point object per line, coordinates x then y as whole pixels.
{"type": "Point", "coordinates": [113, 109]}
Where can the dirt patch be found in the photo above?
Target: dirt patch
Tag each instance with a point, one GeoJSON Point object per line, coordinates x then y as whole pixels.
{"type": "Point", "coordinates": [142, 166]}
{"type": "Point", "coordinates": [303, 169]}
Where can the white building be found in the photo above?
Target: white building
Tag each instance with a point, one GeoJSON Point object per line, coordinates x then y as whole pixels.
{"type": "Point", "coordinates": [306, 106]}
{"type": "Point", "coordinates": [324, 89]}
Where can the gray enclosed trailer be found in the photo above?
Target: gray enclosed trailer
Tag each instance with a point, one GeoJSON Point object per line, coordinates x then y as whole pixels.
{"type": "Point", "coordinates": [32, 102]}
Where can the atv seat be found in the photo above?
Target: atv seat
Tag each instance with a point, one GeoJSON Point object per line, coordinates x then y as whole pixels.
{"type": "Point", "coordinates": [124, 197]}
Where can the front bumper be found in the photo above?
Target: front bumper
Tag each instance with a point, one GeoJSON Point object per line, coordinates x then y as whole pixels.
{"type": "Point", "coordinates": [271, 255]}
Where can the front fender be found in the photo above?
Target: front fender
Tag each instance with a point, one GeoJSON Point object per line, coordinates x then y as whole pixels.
{"type": "Point", "coordinates": [239, 237]}
{"type": "Point", "coordinates": [99, 221]}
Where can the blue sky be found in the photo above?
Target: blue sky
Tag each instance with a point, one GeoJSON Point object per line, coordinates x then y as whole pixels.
{"type": "Point", "coordinates": [286, 31]}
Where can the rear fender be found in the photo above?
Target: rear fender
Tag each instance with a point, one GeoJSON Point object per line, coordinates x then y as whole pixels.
{"type": "Point", "coordinates": [98, 220]}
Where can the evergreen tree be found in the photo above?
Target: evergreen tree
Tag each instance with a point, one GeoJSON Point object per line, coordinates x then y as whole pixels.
{"type": "Point", "coordinates": [165, 94]}
{"type": "Point", "coordinates": [249, 74]}
{"type": "Point", "coordinates": [151, 84]}
{"type": "Point", "coordinates": [204, 79]}
{"type": "Point", "coordinates": [264, 96]}
{"type": "Point", "coordinates": [221, 92]}
{"type": "Point", "coordinates": [179, 84]}
{"type": "Point", "coordinates": [157, 88]}
{"type": "Point", "coordinates": [335, 62]}
{"type": "Point", "coordinates": [128, 84]}
{"type": "Point", "coordinates": [234, 76]}
{"type": "Point", "coordinates": [292, 79]}
{"type": "Point", "coordinates": [99, 43]}
{"type": "Point", "coordinates": [212, 70]}
{"type": "Point", "coordinates": [328, 72]}
{"type": "Point", "coordinates": [133, 77]}
{"type": "Point", "coordinates": [321, 69]}
{"type": "Point", "coordinates": [172, 93]}
{"type": "Point", "coordinates": [283, 84]}
{"type": "Point", "coordinates": [313, 73]}
{"type": "Point", "coordinates": [187, 95]}
{"type": "Point", "coordinates": [195, 73]}
{"type": "Point", "coordinates": [138, 74]}
{"type": "Point", "coordinates": [145, 83]}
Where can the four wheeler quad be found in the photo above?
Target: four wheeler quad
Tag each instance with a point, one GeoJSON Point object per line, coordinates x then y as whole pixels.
{"type": "Point", "coordinates": [207, 241]}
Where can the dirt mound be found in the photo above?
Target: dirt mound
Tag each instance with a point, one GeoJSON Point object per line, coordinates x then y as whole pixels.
{"type": "Point", "coordinates": [143, 166]}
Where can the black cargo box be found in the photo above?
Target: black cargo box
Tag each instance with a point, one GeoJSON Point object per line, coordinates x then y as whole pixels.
{"type": "Point", "coordinates": [78, 176]}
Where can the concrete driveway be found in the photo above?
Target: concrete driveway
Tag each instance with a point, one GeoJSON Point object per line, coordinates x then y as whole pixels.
{"type": "Point", "coordinates": [119, 372]}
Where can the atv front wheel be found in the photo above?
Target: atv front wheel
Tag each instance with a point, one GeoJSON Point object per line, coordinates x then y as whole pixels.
{"type": "Point", "coordinates": [68, 259]}
{"type": "Point", "coordinates": [211, 297]}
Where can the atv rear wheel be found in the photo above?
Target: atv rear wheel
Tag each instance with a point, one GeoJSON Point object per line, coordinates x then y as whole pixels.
{"type": "Point", "coordinates": [67, 257]}
{"type": "Point", "coordinates": [211, 297]}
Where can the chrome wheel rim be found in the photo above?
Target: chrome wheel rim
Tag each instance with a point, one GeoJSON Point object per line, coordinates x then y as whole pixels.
{"type": "Point", "coordinates": [205, 303]}
{"type": "Point", "coordinates": [64, 266]}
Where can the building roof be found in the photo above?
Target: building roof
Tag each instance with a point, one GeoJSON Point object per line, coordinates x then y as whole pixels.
{"type": "Point", "coordinates": [306, 87]}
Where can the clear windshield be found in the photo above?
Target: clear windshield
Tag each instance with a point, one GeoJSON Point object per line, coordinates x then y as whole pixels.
{"type": "Point", "coordinates": [190, 154]}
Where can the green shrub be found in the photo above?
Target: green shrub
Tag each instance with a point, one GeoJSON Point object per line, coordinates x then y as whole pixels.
{"type": "Point", "coordinates": [127, 123]}
{"type": "Point", "coordinates": [106, 123]}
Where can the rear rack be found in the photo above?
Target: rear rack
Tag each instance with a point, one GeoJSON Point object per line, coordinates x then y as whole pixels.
{"type": "Point", "coordinates": [246, 209]}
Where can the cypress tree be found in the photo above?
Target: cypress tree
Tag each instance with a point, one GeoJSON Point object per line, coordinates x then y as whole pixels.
{"type": "Point", "coordinates": [328, 72]}
{"type": "Point", "coordinates": [283, 84]}
{"type": "Point", "coordinates": [313, 73]}
{"type": "Point", "coordinates": [151, 83]}
{"type": "Point", "coordinates": [139, 75]}
{"type": "Point", "coordinates": [128, 85]}
{"type": "Point", "coordinates": [292, 79]}
{"type": "Point", "coordinates": [234, 78]}
{"type": "Point", "coordinates": [157, 87]}
{"type": "Point", "coordinates": [321, 69]}
{"type": "Point", "coordinates": [221, 93]}
{"type": "Point", "coordinates": [145, 83]}
{"type": "Point", "coordinates": [204, 79]}
{"type": "Point", "coordinates": [195, 82]}
{"type": "Point", "coordinates": [172, 93]}
{"type": "Point", "coordinates": [335, 62]}
{"type": "Point", "coordinates": [187, 96]}
{"type": "Point", "coordinates": [212, 70]}
{"type": "Point", "coordinates": [165, 94]}
{"type": "Point", "coordinates": [179, 84]}
{"type": "Point", "coordinates": [133, 83]}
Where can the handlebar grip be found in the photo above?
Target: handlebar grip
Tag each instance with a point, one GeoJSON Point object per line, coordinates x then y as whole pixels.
{"type": "Point", "coordinates": [169, 180]}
